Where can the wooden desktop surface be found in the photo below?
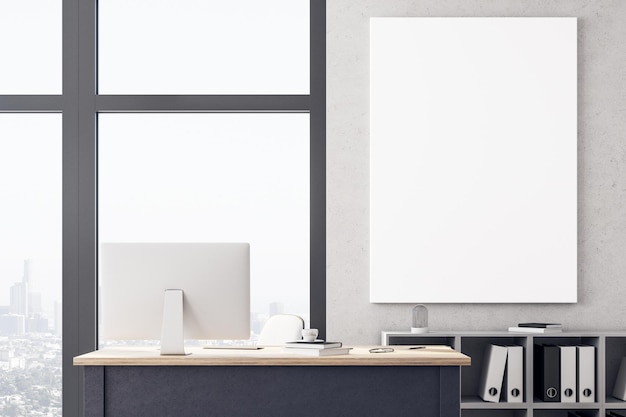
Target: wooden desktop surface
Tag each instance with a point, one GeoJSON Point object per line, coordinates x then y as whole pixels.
{"type": "Point", "coordinates": [273, 356]}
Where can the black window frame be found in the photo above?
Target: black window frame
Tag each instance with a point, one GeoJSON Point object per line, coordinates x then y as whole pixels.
{"type": "Point", "coordinates": [80, 104]}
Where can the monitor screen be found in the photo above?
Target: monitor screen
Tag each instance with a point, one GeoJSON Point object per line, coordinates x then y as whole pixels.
{"type": "Point", "coordinates": [214, 279]}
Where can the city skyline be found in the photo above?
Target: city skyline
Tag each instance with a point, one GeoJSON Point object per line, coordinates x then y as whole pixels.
{"type": "Point", "coordinates": [44, 278]}
{"type": "Point", "coordinates": [25, 312]}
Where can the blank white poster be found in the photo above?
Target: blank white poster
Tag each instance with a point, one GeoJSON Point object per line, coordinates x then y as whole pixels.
{"type": "Point", "coordinates": [473, 160]}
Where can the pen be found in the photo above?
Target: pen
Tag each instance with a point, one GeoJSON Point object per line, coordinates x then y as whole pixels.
{"type": "Point", "coordinates": [417, 347]}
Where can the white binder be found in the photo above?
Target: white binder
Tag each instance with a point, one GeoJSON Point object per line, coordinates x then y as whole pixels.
{"type": "Point", "coordinates": [568, 374]}
{"type": "Point", "coordinates": [586, 374]}
{"type": "Point", "coordinates": [493, 373]}
{"type": "Point", "coordinates": [514, 374]}
{"type": "Point", "coordinates": [619, 391]}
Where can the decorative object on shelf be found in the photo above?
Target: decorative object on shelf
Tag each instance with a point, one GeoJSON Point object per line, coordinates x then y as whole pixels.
{"type": "Point", "coordinates": [419, 319]}
{"type": "Point", "coordinates": [541, 325]}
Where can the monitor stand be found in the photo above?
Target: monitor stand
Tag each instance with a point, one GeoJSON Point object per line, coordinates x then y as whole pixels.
{"type": "Point", "coordinates": [172, 342]}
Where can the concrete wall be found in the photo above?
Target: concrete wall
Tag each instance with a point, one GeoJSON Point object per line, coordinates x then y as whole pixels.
{"type": "Point", "coordinates": [601, 171]}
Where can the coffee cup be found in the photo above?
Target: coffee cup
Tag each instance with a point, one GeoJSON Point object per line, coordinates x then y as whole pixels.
{"type": "Point", "coordinates": [309, 335]}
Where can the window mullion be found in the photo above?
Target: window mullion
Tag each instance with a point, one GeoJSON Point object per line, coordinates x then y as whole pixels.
{"type": "Point", "coordinates": [235, 103]}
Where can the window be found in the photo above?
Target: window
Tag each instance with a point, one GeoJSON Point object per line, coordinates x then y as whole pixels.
{"type": "Point", "coordinates": [214, 177]}
{"type": "Point", "coordinates": [31, 219]}
{"type": "Point", "coordinates": [268, 65]}
{"type": "Point", "coordinates": [32, 60]}
{"type": "Point", "coordinates": [222, 98]}
{"type": "Point", "coordinates": [30, 264]}
{"type": "Point", "coordinates": [203, 47]}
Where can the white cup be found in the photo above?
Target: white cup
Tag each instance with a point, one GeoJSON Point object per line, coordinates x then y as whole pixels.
{"type": "Point", "coordinates": [309, 335]}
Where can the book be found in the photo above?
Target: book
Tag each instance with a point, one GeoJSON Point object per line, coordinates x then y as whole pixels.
{"type": "Point", "coordinates": [541, 325]}
{"type": "Point", "coordinates": [534, 330]}
{"type": "Point", "coordinates": [547, 369]}
{"type": "Point", "coordinates": [568, 373]}
{"type": "Point", "coordinates": [318, 344]}
{"type": "Point", "coordinates": [317, 352]}
{"type": "Point", "coordinates": [586, 374]}
{"type": "Point", "coordinates": [493, 373]}
{"type": "Point", "coordinates": [513, 384]}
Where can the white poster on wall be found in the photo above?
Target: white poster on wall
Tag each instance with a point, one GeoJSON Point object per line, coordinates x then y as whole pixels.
{"type": "Point", "coordinates": [473, 160]}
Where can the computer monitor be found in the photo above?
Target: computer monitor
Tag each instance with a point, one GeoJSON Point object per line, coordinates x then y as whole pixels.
{"type": "Point", "coordinates": [175, 291]}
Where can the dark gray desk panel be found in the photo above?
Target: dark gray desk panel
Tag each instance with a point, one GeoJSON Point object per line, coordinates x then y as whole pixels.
{"type": "Point", "coordinates": [94, 391]}
{"type": "Point", "coordinates": [262, 391]}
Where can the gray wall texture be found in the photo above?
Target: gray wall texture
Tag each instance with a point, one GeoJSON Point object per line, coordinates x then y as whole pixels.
{"type": "Point", "coordinates": [601, 171]}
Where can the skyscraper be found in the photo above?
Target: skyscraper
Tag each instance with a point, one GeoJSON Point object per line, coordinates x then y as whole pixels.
{"type": "Point", "coordinates": [23, 301]}
{"type": "Point", "coordinates": [19, 299]}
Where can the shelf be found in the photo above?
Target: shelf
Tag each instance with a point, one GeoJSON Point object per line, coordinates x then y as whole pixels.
{"type": "Point", "coordinates": [495, 413]}
{"type": "Point", "coordinates": [610, 348]}
{"type": "Point", "coordinates": [540, 405]}
{"type": "Point", "coordinates": [563, 412]}
{"type": "Point", "coordinates": [475, 402]}
{"type": "Point", "coordinates": [615, 402]}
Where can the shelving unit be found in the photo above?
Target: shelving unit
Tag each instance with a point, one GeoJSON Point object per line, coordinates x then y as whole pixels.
{"type": "Point", "coordinates": [610, 348]}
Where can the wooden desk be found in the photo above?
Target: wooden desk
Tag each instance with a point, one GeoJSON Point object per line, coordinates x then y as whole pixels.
{"type": "Point", "coordinates": [234, 383]}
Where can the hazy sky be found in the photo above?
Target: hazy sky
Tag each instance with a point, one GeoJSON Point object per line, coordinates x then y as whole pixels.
{"type": "Point", "coordinates": [30, 201]}
{"type": "Point", "coordinates": [174, 177]}
{"type": "Point", "coordinates": [213, 178]}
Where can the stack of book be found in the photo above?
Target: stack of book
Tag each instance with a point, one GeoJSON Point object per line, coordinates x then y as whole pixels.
{"type": "Point", "coordinates": [537, 328]}
{"type": "Point", "coordinates": [565, 373]}
{"type": "Point", "coordinates": [503, 373]}
{"type": "Point", "coordinates": [315, 348]}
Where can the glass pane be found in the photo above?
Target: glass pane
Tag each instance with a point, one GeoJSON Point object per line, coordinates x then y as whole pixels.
{"type": "Point", "coordinates": [30, 264]}
{"type": "Point", "coordinates": [203, 47]}
{"type": "Point", "coordinates": [214, 178]}
{"type": "Point", "coordinates": [30, 47]}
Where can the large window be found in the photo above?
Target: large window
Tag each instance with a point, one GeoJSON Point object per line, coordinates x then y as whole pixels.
{"type": "Point", "coordinates": [115, 87]}
{"type": "Point", "coordinates": [81, 80]}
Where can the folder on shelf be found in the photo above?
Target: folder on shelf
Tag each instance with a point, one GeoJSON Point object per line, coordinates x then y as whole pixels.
{"type": "Point", "coordinates": [514, 379]}
{"type": "Point", "coordinates": [619, 391]}
{"type": "Point", "coordinates": [547, 373]}
{"type": "Point", "coordinates": [493, 373]}
{"type": "Point", "coordinates": [586, 374]}
{"type": "Point", "coordinates": [568, 374]}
